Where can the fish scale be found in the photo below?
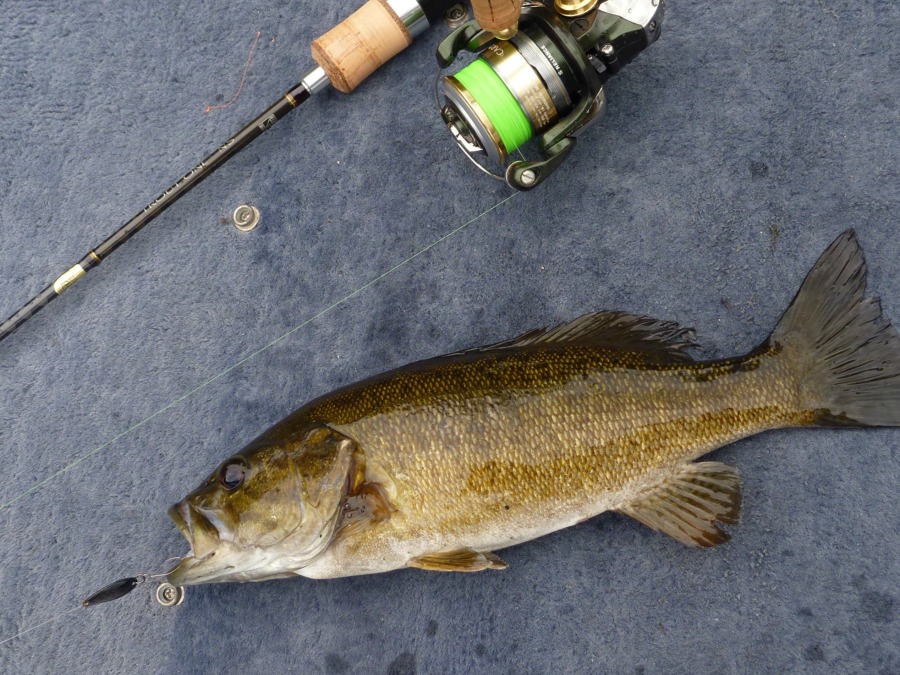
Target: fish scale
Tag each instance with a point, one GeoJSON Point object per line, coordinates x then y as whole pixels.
{"type": "Point", "coordinates": [586, 425]}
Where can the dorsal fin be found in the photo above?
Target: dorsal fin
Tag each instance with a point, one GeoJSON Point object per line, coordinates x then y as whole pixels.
{"type": "Point", "coordinates": [614, 330]}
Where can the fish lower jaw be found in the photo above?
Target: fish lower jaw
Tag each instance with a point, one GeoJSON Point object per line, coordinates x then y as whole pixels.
{"type": "Point", "coordinates": [226, 564]}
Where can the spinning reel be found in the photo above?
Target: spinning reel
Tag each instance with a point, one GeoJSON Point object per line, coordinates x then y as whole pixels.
{"type": "Point", "coordinates": [546, 81]}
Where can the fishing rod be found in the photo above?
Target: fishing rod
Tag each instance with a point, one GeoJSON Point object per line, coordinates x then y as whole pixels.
{"type": "Point", "coordinates": [346, 55]}
{"type": "Point", "coordinates": [538, 76]}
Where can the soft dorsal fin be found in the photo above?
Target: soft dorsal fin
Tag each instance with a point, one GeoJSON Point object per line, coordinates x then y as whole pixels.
{"type": "Point", "coordinates": [614, 330]}
{"type": "Point", "coordinates": [687, 503]}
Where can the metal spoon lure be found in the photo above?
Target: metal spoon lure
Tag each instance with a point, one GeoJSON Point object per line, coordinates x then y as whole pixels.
{"type": "Point", "coordinates": [167, 595]}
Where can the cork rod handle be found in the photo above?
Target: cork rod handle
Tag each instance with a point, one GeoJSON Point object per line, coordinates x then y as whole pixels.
{"type": "Point", "coordinates": [361, 44]}
{"type": "Point", "coordinates": [500, 17]}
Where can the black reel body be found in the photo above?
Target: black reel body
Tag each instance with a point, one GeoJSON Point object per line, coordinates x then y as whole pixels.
{"type": "Point", "coordinates": [545, 83]}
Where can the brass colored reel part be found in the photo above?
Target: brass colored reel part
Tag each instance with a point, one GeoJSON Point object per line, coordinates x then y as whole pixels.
{"type": "Point", "coordinates": [523, 82]}
{"type": "Point", "coordinates": [573, 8]}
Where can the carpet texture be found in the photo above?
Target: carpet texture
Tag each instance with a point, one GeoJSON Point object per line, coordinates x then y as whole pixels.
{"type": "Point", "coordinates": [734, 151]}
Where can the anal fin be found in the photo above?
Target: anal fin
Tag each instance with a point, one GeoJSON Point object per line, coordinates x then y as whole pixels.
{"type": "Point", "coordinates": [687, 504]}
{"type": "Point", "coordinates": [460, 560]}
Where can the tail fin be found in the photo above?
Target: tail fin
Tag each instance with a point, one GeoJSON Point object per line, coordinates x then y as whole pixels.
{"type": "Point", "coordinates": [848, 356]}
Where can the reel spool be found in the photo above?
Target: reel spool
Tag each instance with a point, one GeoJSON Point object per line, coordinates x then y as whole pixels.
{"type": "Point", "coordinates": [545, 83]}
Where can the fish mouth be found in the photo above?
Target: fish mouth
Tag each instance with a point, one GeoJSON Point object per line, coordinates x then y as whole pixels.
{"type": "Point", "coordinates": [217, 556]}
{"type": "Point", "coordinates": [201, 528]}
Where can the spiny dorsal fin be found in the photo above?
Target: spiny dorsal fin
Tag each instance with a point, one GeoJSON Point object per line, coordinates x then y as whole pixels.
{"type": "Point", "coordinates": [460, 560]}
{"type": "Point", "coordinates": [687, 504]}
{"type": "Point", "coordinates": [614, 330]}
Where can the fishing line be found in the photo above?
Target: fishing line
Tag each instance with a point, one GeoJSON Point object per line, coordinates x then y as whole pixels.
{"type": "Point", "coordinates": [38, 625]}
{"type": "Point", "coordinates": [214, 378]}
{"type": "Point", "coordinates": [112, 592]}
{"type": "Point", "coordinates": [497, 102]}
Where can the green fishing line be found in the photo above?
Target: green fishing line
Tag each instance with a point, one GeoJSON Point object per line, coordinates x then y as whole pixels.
{"type": "Point", "coordinates": [499, 105]}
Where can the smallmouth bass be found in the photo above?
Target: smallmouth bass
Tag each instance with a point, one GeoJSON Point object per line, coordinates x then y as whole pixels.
{"type": "Point", "coordinates": [438, 464]}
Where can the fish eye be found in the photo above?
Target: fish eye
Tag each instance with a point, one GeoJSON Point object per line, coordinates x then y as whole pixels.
{"type": "Point", "coordinates": [233, 473]}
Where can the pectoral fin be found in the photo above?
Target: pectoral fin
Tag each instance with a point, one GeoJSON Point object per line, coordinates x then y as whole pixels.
{"type": "Point", "coordinates": [460, 560]}
{"type": "Point", "coordinates": [687, 504]}
{"type": "Point", "coordinates": [368, 506]}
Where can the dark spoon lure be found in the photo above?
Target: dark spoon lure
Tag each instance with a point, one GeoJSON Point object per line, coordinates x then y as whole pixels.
{"type": "Point", "coordinates": [167, 595]}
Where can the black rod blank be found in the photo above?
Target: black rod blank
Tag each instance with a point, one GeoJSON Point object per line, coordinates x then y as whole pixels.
{"type": "Point", "coordinates": [293, 98]}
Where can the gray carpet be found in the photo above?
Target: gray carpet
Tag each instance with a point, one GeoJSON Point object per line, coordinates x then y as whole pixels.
{"type": "Point", "coordinates": [734, 151]}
